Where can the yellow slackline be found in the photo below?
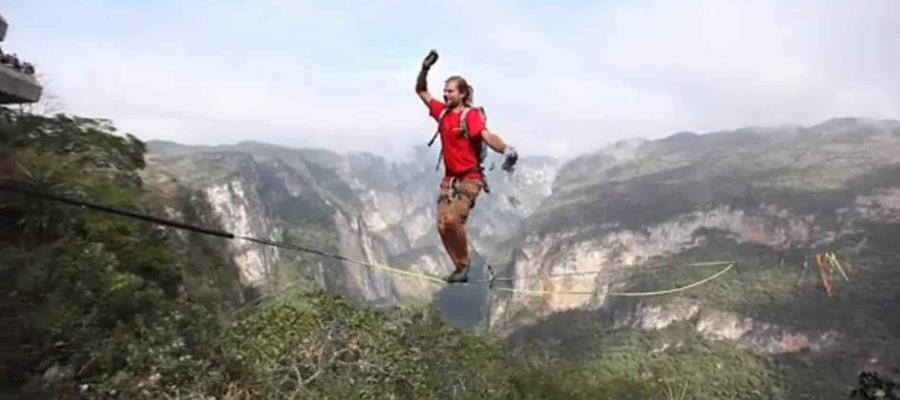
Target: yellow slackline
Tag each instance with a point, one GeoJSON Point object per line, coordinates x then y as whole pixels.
{"type": "Point", "coordinates": [530, 291]}
{"type": "Point", "coordinates": [31, 191]}
{"type": "Point", "coordinates": [438, 280]}
{"type": "Point", "coordinates": [399, 271]}
{"type": "Point", "coordinates": [631, 294]}
{"type": "Point", "coordinates": [696, 264]}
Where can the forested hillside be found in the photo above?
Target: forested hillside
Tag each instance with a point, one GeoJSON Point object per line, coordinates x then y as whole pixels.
{"type": "Point", "coordinates": [99, 306]}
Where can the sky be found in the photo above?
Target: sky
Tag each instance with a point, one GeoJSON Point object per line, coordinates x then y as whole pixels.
{"type": "Point", "coordinates": [558, 78]}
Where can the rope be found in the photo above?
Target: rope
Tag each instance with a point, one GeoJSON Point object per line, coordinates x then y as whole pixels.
{"type": "Point", "coordinates": [679, 289]}
{"type": "Point", "coordinates": [626, 294]}
{"type": "Point", "coordinates": [290, 246]}
{"type": "Point", "coordinates": [113, 210]}
{"type": "Point", "coordinates": [203, 230]}
{"type": "Point", "coordinates": [697, 264]}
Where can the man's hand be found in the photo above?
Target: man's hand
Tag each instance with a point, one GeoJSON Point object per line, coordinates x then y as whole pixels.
{"type": "Point", "coordinates": [509, 153]}
{"type": "Point", "coordinates": [422, 79]}
{"type": "Point", "coordinates": [430, 59]}
{"type": "Point", "coordinates": [510, 159]}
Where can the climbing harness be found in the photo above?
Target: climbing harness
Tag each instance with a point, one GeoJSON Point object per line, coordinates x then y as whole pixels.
{"type": "Point", "coordinates": [454, 194]}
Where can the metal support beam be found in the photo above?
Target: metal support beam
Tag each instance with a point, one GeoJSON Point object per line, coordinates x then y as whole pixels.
{"type": "Point", "coordinates": [18, 87]}
{"type": "Point", "coordinates": [17, 82]}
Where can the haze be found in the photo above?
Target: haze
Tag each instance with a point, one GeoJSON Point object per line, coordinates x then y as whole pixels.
{"type": "Point", "coordinates": [556, 79]}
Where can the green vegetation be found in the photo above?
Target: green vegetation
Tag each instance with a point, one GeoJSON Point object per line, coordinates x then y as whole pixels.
{"type": "Point", "coordinates": [94, 299]}
{"type": "Point", "coordinates": [744, 288]}
{"type": "Point", "coordinates": [100, 306]}
{"type": "Point", "coordinates": [774, 288]}
{"type": "Point", "coordinates": [624, 364]}
{"type": "Point", "coordinates": [318, 346]}
{"type": "Point", "coordinates": [97, 306]}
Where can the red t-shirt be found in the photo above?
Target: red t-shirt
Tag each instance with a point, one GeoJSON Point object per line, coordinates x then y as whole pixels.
{"type": "Point", "coordinates": [460, 155]}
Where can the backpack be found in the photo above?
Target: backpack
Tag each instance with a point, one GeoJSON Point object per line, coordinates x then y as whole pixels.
{"type": "Point", "coordinates": [480, 152]}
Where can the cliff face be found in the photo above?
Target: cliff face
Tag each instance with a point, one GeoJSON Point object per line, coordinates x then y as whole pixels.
{"type": "Point", "coordinates": [357, 205]}
{"type": "Point", "coordinates": [624, 219]}
{"type": "Point", "coordinates": [628, 217]}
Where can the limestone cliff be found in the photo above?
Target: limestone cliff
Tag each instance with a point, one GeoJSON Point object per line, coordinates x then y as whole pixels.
{"type": "Point", "coordinates": [357, 205]}
{"type": "Point", "coordinates": [626, 218]}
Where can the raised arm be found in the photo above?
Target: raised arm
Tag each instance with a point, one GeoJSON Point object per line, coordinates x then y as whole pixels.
{"type": "Point", "coordinates": [422, 79]}
{"type": "Point", "coordinates": [422, 86]}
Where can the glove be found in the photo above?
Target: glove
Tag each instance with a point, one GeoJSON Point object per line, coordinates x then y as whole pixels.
{"type": "Point", "coordinates": [430, 59]}
{"type": "Point", "coordinates": [510, 155]}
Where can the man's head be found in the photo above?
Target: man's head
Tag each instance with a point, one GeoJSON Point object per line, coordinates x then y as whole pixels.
{"type": "Point", "coordinates": [457, 92]}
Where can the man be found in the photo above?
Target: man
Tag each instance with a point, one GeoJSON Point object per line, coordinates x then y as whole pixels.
{"type": "Point", "coordinates": [463, 178]}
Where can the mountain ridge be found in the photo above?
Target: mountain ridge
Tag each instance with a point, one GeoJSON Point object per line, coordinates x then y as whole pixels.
{"type": "Point", "coordinates": [770, 199]}
{"type": "Point", "coordinates": [625, 219]}
{"type": "Point", "coordinates": [374, 209]}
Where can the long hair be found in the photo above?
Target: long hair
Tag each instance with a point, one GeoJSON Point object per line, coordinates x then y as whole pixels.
{"type": "Point", "coordinates": [464, 87]}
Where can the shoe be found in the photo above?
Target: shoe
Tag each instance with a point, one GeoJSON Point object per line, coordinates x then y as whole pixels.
{"type": "Point", "coordinates": [461, 275]}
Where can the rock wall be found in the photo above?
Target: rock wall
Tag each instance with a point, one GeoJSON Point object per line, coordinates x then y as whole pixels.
{"type": "Point", "coordinates": [358, 205]}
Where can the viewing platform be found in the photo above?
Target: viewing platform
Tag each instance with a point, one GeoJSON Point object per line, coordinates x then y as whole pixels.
{"type": "Point", "coordinates": [17, 81]}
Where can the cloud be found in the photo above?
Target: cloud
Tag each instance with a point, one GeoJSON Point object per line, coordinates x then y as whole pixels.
{"type": "Point", "coordinates": [556, 79]}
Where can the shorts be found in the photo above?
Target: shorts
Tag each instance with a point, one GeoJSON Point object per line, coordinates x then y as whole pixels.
{"type": "Point", "coordinates": [457, 198]}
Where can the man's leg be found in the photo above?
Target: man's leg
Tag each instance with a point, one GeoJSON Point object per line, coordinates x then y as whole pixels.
{"type": "Point", "coordinates": [444, 225]}
{"type": "Point", "coordinates": [453, 215]}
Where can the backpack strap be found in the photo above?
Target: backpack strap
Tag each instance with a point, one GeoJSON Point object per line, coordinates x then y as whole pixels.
{"type": "Point", "coordinates": [465, 128]}
{"type": "Point", "coordinates": [437, 132]}
{"type": "Point", "coordinates": [462, 119]}
{"type": "Point", "coordinates": [462, 122]}
{"type": "Point", "coordinates": [465, 131]}
{"type": "Point", "coordinates": [440, 122]}
{"type": "Point", "coordinates": [482, 150]}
